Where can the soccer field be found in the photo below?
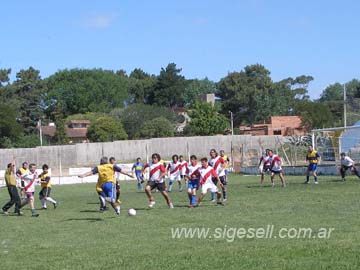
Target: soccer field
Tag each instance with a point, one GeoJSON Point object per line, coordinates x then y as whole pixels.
{"type": "Point", "coordinates": [77, 236]}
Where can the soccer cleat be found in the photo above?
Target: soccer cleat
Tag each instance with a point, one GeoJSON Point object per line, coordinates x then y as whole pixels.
{"type": "Point", "coordinates": [35, 215]}
{"type": "Point", "coordinates": [283, 185]}
{"type": "Point", "coordinates": [55, 205]}
{"type": "Point", "coordinates": [180, 189]}
{"type": "Point", "coordinates": [343, 179]}
{"type": "Point", "coordinates": [219, 203]}
{"type": "Point", "coordinates": [191, 206]}
{"type": "Point", "coordinates": [273, 184]}
{"type": "Point", "coordinates": [152, 204]}
{"type": "Point", "coordinates": [6, 213]}
{"type": "Point", "coordinates": [19, 214]}
{"type": "Point", "coordinates": [117, 210]}
{"type": "Point", "coordinates": [171, 206]}
{"type": "Point", "coordinates": [224, 200]}
{"type": "Point", "coordinates": [43, 208]}
{"type": "Point", "coordinates": [213, 200]}
{"type": "Point", "coordinates": [316, 182]}
{"type": "Point", "coordinates": [306, 182]}
{"type": "Point", "coordinates": [118, 201]}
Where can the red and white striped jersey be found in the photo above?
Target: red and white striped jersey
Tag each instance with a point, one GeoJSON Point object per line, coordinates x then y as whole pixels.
{"type": "Point", "coordinates": [156, 169]}
{"type": "Point", "coordinates": [174, 168]}
{"type": "Point", "coordinates": [265, 160]}
{"type": "Point", "coordinates": [183, 167]}
{"type": "Point", "coordinates": [192, 171]}
{"type": "Point", "coordinates": [276, 163]}
{"type": "Point", "coordinates": [218, 164]}
{"type": "Point", "coordinates": [206, 174]}
{"type": "Point", "coordinates": [30, 179]}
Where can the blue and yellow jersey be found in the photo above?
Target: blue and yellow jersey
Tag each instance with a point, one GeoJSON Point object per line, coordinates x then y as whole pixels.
{"type": "Point", "coordinates": [45, 180]}
{"type": "Point", "coordinates": [139, 167]}
{"type": "Point", "coordinates": [313, 157]}
{"type": "Point", "coordinates": [106, 173]}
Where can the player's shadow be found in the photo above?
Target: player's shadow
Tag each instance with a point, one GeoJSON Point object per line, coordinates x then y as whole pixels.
{"type": "Point", "coordinates": [84, 219]}
{"type": "Point", "coordinates": [93, 203]}
{"type": "Point", "coordinates": [89, 211]}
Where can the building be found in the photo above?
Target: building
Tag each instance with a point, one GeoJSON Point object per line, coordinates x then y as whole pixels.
{"type": "Point", "coordinates": [278, 125]}
{"type": "Point", "coordinates": [76, 131]}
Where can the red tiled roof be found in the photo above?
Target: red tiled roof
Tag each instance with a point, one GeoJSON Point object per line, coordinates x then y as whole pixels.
{"type": "Point", "coordinates": [48, 130]}
{"type": "Point", "coordinates": [76, 132]}
{"type": "Point", "coordinates": [285, 121]}
{"type": "Point", "coordinates": [79, 122]}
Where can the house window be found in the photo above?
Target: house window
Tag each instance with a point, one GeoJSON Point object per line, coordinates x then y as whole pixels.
{"type": "Point", "coordinates": [277, 132]}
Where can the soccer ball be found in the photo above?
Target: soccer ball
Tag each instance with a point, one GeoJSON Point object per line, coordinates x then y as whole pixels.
{"type": "Point", "coordinates": [132, 212]}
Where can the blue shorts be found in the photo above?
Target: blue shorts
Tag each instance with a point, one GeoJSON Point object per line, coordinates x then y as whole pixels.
{"type": "Point", "coordinates": [139, 176]}
{"type": "Point", "coordinates": [312, 167]}
{"type": "Point", "coordinates": [109, 190]}
{"type": "Point", "coordinates": [226, 172]}
{"type": "Point", "coordinates": [193, 184]}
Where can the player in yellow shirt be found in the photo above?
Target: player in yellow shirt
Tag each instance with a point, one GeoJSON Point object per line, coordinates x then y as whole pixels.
{"type": "Point", "coordinates": [313, 158]}
{"type": "Point", "coordinates": [106, 180]}
{"type": "Point", "coordinates": [45, 181]}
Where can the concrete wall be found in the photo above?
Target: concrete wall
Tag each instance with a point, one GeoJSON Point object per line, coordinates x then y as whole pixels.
{"type": "Point", "coordinates": [88, 154]}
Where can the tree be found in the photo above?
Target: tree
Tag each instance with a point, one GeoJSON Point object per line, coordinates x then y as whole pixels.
{"type": "Point", "coordinates": [205, 120]}
{"type": "Point", "coordinates": [9, 128]}
{"type": "Point", "coordinates": [314, 114]}
{"type": "Point", "coordinates": [195, 88]}
{"type": "Point", "coordinates": [141, 85]}
{"type": "Point", "coordinates": [244, 94]}
{"type": "Point", "coordinates": [134, 117]}
{"type": "Point", "coordinates": [4, 76]}
{"type": "Point", "coordinates": [157, 128]}
{"type": "Point", "coordinates": [169, 88]}
{"type": "Point", "coordinates": [106, 129]}
{"type": "Point", "coordinates": [27, 98]}
{"type": "Point", "coordinates": [81, 90]}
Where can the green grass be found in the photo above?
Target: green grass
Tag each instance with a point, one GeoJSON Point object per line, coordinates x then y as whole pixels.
{"type": "Point", "coordinates": [76, 236]}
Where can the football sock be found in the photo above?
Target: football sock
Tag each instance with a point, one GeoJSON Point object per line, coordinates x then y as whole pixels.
{"type": "Point", "coordinates": [50, 200]}
{"type": "Point", "coordinates": [224, 194]}
{"type": "Point", "coordinates": [307, 178]}
{"type": "Point", "coordinates": [193, 199]}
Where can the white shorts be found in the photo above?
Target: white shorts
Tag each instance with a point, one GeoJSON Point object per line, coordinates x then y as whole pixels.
{"type": "Point", "coordinates": [175, 177]}
{"type": "Point", "coordinates": [209, 186]}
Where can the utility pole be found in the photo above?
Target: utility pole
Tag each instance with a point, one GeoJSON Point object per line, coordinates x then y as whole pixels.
{"type": "Point", "coordinates": [345, 105]}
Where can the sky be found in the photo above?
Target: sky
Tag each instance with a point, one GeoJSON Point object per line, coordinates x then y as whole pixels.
{"type": "Point", "coordinates": [206, 38]}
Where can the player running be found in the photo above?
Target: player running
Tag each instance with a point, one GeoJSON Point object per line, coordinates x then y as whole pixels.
{"type": "Point", "coordinates": [183, 168]}
{"type": "Point", "coordinates": [173, 169]}
{"type": "Point", "coordinates": [275, 167]}
{"type": "Point", "coordinates": [157, 174]}
{"type": "Point", "coordinates": [45, 191]}
{"type": "Point", "coordinates": [138, 167]}
{"type": "Point", "coordinates": [193, 177]}
{"type": "Point", "coordinates": [346, 164]}
{"type": "Point", "coordinates": [20, 173]}
{"type": "Point", "coordinates": [207, 174]}
{"type": "Point", "coordinates": [313, 158]}
{"type": "Point", "coordinates": [29, 187]}
{"type": "Point", "coordinates": [218, 163]}
{"type": "Point", "coordinates": [265, 162]}
{"type": "Point", "coordinates": [106, 180]}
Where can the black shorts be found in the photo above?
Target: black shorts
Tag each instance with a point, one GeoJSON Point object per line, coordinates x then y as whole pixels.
{"type": "Point", "coordinates": [182, 176]}
{"type": "Point", "coordinates": [45, 192]}
{"type": "Point", "coordinates": [159, 186]}
{"type": "Point", "coordinates": [215, 181]}
{"type": "Point", "coordinates": [276, 172]}
{"type": "Point", "coordinates": [223, 180]}
{"type": "Point", "coordinates": [266, 169]}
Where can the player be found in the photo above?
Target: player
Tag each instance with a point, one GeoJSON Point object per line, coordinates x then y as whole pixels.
{"type": "Point", "coordinates": [20, 173]}
{"type": "Point", "coordinates": [266, 162]}
{"type": "Point", "coordinates": [218, 163]}
{"type": "Point", "coordinates": [138, 167]}
{"type": "Point", "coordinates": [313, 158]}
{"type": "Point", "coordinates": [106, 180]}
{"type": "Point", "coordinates": [45, 182]}
{"type": "Point", "coordinates": [183, 164]}
{"type": "Point", "coordinates": [207, 174]}
{"type": "Point", "coordinates": [347, 163]}
{"type": "Point", "coordinates": [29, 187]}
{"type": "Point", "coordinates": [156, 180]}
{"type": "Point", "coordinates": [193, 177]}
{"type": "Point", "coordinates": [173, 170]}
{"type": "Point", "coordinates": [117, 181]}
{"type": "Point", "coordinates": [226, 164]}
{"type": "Point", "coordinates": [10, 180]}
{"type": "Point", "coordinates": [275, 168]}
